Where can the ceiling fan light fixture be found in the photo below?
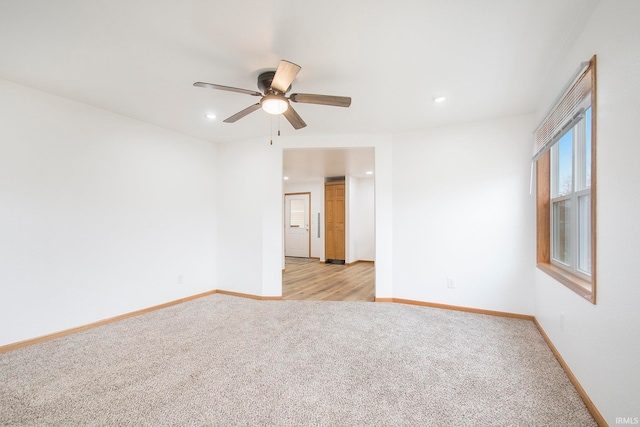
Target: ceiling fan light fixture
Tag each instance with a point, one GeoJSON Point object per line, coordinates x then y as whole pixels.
{"type": "Point", "coordinates": [274, 104]}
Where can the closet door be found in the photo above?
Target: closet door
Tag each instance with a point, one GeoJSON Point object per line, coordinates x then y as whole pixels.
{"type": "Point", "coordinates": [334, 217]}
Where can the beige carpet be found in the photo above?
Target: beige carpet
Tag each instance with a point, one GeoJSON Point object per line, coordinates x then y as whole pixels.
{"type": "Point", "coordinates": [221, 360]}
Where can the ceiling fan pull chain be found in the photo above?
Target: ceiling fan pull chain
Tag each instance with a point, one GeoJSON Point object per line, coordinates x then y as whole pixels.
{"type": "Point", "coordinates": [278, 124]}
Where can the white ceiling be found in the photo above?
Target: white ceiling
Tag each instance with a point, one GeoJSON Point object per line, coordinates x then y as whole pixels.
{"type": "Point", "coordinates": [313, 164]}
{"type": "Point", "coordinates": [139, 58]}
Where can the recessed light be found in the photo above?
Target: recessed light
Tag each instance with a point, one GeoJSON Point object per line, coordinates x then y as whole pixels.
{"type": "Point", "coordinates": [439, 99]}
{"type": "Point", "coordinates": [210, 116]}
{"type": "Point", "coordinates": [369, 172]}
{"type": "Point", "coordinates": [286, 178]}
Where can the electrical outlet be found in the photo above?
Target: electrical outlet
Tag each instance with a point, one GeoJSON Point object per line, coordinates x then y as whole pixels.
{"type": "Point", "coordinates": [451, 283]}
{"type": "Point", "coordinates": [180, 279]}
{"type": "Point", "coordinates": [561, 321]}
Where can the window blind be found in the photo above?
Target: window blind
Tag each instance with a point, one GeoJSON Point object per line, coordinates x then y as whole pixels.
{"type": "Point", "coordinates": [296, 213]}
{"type": "Point", "coordinates": [297, 219]}
{"type": "Point", "coordinates": [566, 112]}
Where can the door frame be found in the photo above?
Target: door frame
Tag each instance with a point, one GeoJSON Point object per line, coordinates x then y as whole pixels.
{"type": "Point", "coordinates": [284, 219]}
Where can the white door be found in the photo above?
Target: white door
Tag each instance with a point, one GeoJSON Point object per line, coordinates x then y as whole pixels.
{"type": "Point", "coordinates": [296, 225]}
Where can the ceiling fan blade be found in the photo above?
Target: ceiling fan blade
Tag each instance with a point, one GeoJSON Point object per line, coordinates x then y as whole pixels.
{"type": "Point", "coordinates": [241, 114]}
{"type": "Point", "coordinates": [293, 117]}
{"type": "Point", "coordinates": [286, 72]}
{"type": "Point", "coordinates": [308, 98]}
{"type": "Point", "coordinates": [228, 88]}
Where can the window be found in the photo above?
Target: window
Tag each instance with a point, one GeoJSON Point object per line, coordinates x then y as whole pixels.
{"type": "Point", "coordinates": [565, 156]}
{"type": "Point", "coordinates": [296, 213]}
{"type": "Point", "coordinates": [571, 200]}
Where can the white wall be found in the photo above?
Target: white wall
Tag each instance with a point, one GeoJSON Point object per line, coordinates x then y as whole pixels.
{"type": "Point", "coordinates": [601, 342]}
{"type": "Point", "coordinates": [249, 200]}
{"type": "Point", "coordinates": [363, 220]}
{"type": "Point", "coordinates": [99, 214]}
{"type": "Point", "coordinates": [462, 209]}
{"type": "Point", "coordinates": [350, 206]}
{"type": "Point", "coordinates": [250, 210]}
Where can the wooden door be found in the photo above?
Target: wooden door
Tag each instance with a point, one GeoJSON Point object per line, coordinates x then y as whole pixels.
{"type": "Point", "coordinates": [334, 220]}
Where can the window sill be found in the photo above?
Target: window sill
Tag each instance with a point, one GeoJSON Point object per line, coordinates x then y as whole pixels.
{"type": "Point", "coordinates": [576, 284]}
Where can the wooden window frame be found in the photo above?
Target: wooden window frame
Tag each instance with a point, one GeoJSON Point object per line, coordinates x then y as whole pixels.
{"type": "Point", "coordinates": [581, 286]}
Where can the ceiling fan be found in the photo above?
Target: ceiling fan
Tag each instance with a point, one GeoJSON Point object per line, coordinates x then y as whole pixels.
{"type": "Point", "coordinates": [274, 85]}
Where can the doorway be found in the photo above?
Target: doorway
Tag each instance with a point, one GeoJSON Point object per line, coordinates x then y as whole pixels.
{"type": "Point", "coordinates": [306, 170]}
{"type": "Point", "coordinates": [297, 219]}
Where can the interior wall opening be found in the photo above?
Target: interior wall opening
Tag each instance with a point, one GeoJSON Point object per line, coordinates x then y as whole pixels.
{"type": "Point", "coordinates": [325, 274]}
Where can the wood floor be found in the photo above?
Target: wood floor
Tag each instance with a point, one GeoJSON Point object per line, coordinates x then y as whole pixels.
{"type": "Point", "coordinates": [308, 279]}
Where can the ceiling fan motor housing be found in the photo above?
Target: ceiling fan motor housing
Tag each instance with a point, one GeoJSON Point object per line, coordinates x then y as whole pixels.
{"type": "Point", "coordinates": [264, 81]}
